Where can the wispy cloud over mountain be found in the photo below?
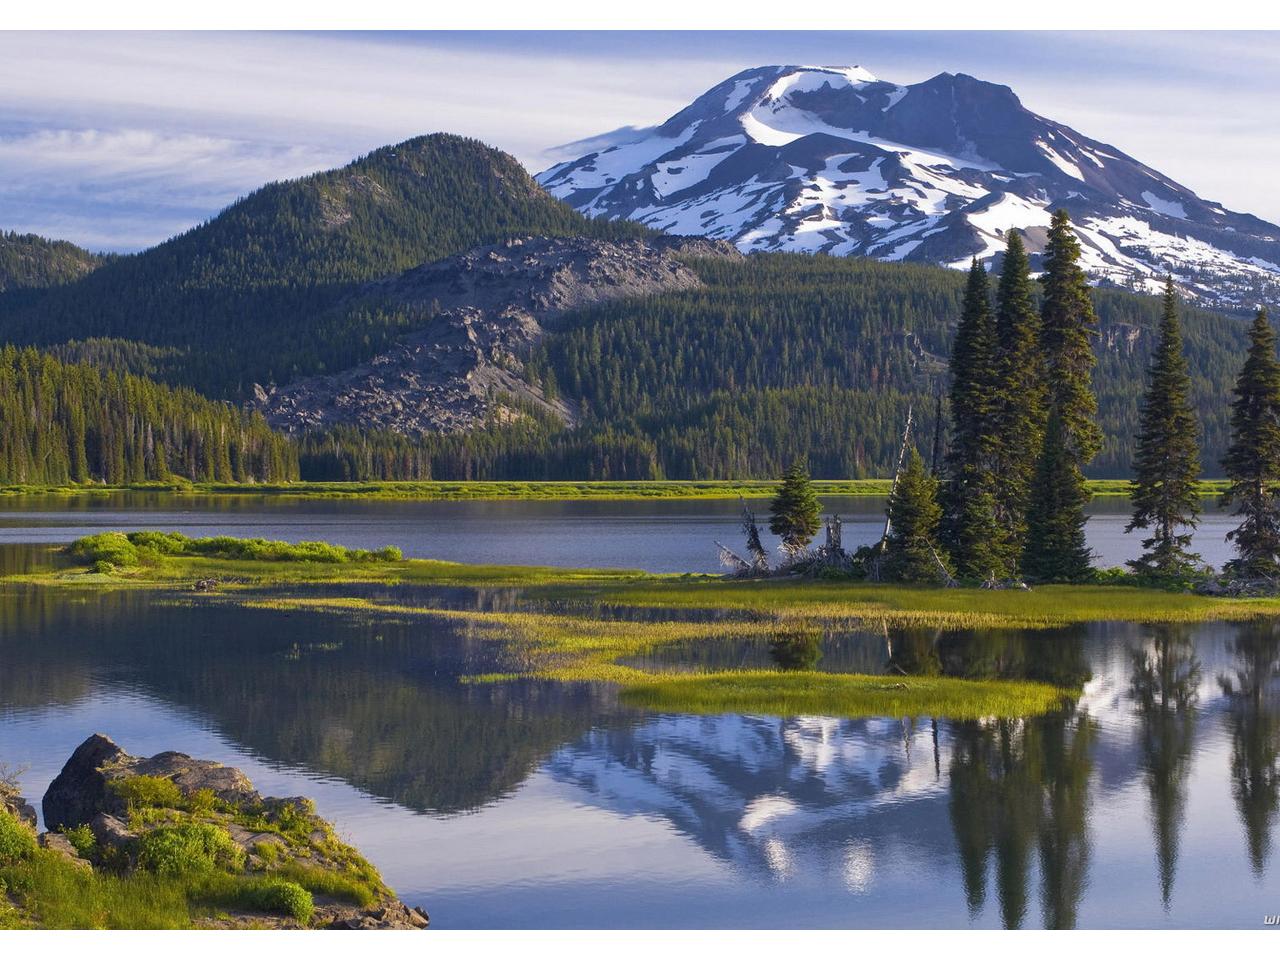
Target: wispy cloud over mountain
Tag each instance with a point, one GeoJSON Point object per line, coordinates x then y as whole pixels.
{"type": "Point", "coordinates": [118, 140]}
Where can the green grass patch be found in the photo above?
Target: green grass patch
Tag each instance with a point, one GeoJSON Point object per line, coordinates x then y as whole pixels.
{"type": "Point", "coordinates": [354, 889]}
{"type": "Point", "coordinates": [799, 693]}
{"type": "Point", "coordinates": [148, 547]}
{"type": "Point", "coordinates": [265, 894]}
{"type": "Point", "coordinates": [898, 605]}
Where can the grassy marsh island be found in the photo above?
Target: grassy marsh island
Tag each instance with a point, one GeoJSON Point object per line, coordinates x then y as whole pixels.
{"type": "Point", "coordinates": [567, 627]}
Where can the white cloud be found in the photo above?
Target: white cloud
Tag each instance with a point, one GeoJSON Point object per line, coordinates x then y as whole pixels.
{"type": "Point", "coordinates": [102, 133]}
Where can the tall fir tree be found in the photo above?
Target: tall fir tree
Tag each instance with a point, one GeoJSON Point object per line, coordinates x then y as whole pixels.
{"type": "Point", "coordinates": [1252, 463]}
{"type": "Point", "coordinates": [1067, 326]}
{"type": "Point", "coordinates": [794, 511]}
{"type": "Point", "coordinates": [1054, 547]}
{"type": "Point", "coordinates": [914, 516]}
{"type": "Point", "coordinates": [1019, 415]}
{"type": "Point", "coordinates": [1166, 466]}
{"type": "Point", "coordinates": [971, 530]}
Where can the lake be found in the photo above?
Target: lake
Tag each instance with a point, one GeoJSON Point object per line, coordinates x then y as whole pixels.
{"type": "Point", "coordinates": [1152, 801]}
{"type": "Point", "coordinates": [672, 536]}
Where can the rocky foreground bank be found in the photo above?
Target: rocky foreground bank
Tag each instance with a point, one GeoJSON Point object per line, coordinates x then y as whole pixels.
{"type": "Point", "coordinates": [171, 840]}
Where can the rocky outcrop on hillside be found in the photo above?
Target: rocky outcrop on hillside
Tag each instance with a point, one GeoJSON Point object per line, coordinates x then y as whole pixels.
{"type": "Point", "coordinates": [278, 863]}
{"type": "Point", "coordinates": [487, 308]}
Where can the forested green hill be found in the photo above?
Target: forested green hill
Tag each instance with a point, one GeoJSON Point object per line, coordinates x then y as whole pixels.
{"type": "Point", "coordinates": [778, 357]}
{"type": "Point", "coordinates": [28, 261]}
{"type": "Point", "coordinates": [250, 295]}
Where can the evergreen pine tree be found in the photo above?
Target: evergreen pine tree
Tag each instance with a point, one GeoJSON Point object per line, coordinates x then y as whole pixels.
{"type": "Point", "coordinates": [914, 515]}
{"type": "Point", "coordinates": [1055, 548]}
{"type": "Point", "coordinates": [1252, 462]}
{"type": "Point", "coordinates": [794, 511]}
{"type": "Point", "coordinates": [971, 530]}
{"type": "Point", "coordinates": [1020, 394]}
{"type": "Point", "coordinates": [1167, 464]}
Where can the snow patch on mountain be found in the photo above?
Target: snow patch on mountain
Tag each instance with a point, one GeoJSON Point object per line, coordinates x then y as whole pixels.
{"type": "Point", "coordinates": [833, 160]}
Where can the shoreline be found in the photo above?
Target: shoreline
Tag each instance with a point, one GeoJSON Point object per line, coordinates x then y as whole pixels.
{"type": "Point", "coordinates": [506, 490]}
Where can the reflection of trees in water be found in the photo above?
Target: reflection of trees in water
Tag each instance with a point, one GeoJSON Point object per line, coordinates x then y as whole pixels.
{"type": "Point", "coordinates": [798, 649]}
{"type": "Point", "coordinates": [372, 702]}
{"type": "Point", "coordinates": [1019, 786]}
{"type": "Point", "coordinates": [1253, 718]}
{"type": "Point", "coordinates": [1053, 656]}
{"type": "Point", "coordinates": [1164, 682]}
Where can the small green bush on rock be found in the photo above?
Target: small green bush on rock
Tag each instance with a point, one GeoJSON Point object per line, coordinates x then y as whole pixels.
{"type": "Point", "coordinates": [83, 840]}
{"type": "Point", "coordinates": [147, 791]}
{"type": "Point", "coordinates": [188, 848]}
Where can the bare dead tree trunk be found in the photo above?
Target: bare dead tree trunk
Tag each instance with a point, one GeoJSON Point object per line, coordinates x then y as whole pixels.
{"type": "Point", "coordinates": [938, 437]}
{"type": "Point", "coordinates": [759, 558]}
{"type": "Point", "coordinates": [902, 457]}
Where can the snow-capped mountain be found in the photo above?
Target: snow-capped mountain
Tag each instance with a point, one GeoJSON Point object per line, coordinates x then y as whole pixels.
{"type": "Point", "coordinates": [832, 160]}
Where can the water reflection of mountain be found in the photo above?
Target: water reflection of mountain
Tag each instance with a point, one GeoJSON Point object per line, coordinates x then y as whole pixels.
{"type": "Point", "coordinates": [373, 703]}
{"type": "Point", "coordinates": [1003, 809]}
{"type": "Point", "coordinates": [1006, 804]}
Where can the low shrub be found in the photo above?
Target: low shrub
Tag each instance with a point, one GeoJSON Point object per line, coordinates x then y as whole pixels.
{"type": "Point", "coordinates": [282, 896]}
{"type": "Point", "coordinates": [17, 841]}
{"type": "Point", "coordinates": [188, 848]}
{"type": "Point", "coordinates": [83, 840]}
{"type": "Point", "coordinates": [113, 548]}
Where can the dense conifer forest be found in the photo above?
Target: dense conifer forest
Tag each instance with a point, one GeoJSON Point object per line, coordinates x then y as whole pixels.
{"type": "Point", "coordinates": [71, 423]}
{"type": "Point", "coordinates": [779, 357]}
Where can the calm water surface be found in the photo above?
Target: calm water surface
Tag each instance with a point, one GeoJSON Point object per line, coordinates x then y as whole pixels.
{"type": "Point", "coordinates": [659, 536]}
{"type": "Point", "coordinates": [1152, 801]}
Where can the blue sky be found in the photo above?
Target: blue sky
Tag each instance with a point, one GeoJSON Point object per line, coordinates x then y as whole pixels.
{"type": "Point", "coordinates": [119, 140]}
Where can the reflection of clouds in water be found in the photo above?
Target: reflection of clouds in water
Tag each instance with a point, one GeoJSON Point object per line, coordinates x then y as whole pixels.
{"type": "Point", "coordinates": [859, 867]}
{"type": "Point", "coordinates": [761, 811]}
{"type": "Point", "coordinates": [779, 858]}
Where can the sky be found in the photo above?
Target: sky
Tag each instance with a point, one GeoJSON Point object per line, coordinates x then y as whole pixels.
{"type": "Point", "coordinates": [117, 141]}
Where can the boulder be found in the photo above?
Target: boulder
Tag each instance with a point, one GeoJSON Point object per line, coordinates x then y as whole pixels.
{"type": "Point", "coordinates": [79, 792]}
{"type": "Point", "coordinates": [112, 832]}
{"type": "Point", "coordinates": [191, 775]}
{"type": "Point", "coordinates": [82, 790]}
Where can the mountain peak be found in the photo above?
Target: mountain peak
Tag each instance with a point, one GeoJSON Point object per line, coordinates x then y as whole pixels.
{"type": "Point", "coordinates": [832, 159]}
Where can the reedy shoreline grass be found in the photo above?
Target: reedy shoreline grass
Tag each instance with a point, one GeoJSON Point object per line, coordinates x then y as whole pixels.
{"type": "Point", "coordinates": [509, 490]}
